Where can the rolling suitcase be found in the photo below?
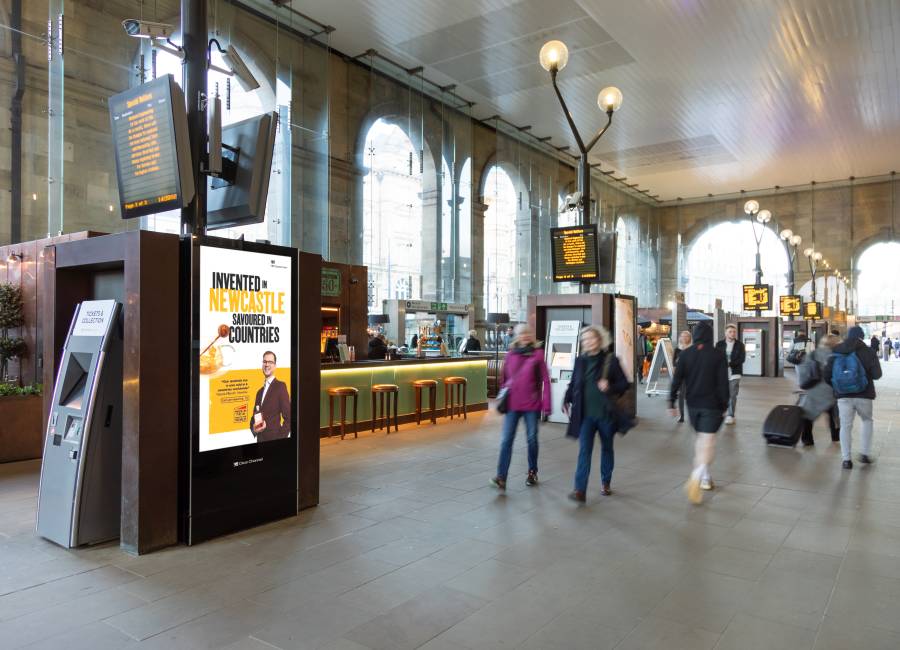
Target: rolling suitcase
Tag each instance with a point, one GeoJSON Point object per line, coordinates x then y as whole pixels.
{"type": "Point", "coordinates": [783, 426]}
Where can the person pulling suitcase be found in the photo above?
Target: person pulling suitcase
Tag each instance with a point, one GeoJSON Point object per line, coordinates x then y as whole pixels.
{"type": "Point", "coordinates": [702, 373]}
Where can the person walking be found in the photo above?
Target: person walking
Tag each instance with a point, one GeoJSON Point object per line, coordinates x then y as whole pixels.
{"type": "Point", "coordinates": [735, 354]}
{"type": "Point", "coordinates": [818, 398]}
{"type": "Point", "coordinates": [875, 344]}
{"type": "Point", "coordinates": [684, 342]}
{"type": "Point", "coordinates": [888, 346]}
{"type": "Point", "coordinates": [590, 404]}
{"type": "Point", "coordinates": [851, 372]}
{"type": "Point", "coordinates": [897, 348]}
{"type": "Point", "coordinates": [702, 373]}
{"type": "Point", "coordinates": [527, 381]}
{"type": "Point", "coordinates": [471, 344]}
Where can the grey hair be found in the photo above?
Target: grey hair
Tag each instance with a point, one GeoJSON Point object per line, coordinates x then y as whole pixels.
{"type": "Point", "coordinates": [600, 332]}
{"type": "Point", "coordinates": [472, 333]}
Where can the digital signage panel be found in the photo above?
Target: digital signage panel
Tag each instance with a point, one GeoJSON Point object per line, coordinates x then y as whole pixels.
{"type": "Point", "coordinates": [757, 297]}
{"type": "Point", "coordinates": [574, 254]}
{"type": "Point", "coordinates": [790, 305]}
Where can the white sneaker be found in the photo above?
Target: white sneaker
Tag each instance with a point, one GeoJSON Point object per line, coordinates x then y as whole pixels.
{"type": "Point", "coordinates": [706, 484]}
{"type": "Point", "coordinates": [729, 419]}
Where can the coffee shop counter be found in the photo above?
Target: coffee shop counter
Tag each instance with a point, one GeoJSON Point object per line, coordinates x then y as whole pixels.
{"type": "Point", "coordinates": [362, 375]}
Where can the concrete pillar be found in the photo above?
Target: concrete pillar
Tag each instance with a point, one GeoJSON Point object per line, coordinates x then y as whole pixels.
{"type": "Point", "coordinates": [679, 316]}
{"type": "Point", "coordinates": [478, 210]}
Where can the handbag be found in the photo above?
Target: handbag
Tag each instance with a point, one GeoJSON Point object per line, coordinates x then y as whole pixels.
{"type": "Point", "coordinates": [620, 417]}
{"type": "Point", "coordinates": [808, 373]}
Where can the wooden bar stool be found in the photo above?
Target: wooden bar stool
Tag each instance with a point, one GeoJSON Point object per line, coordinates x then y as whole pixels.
{"type": "Point", "coordinates": [455, 395]}
{"type": "Point", "coordinates": [343, 393]}
{"type": "Point", "coordinates": [431, 385]}
{"type": "Point", "coordinates": [385, 394]}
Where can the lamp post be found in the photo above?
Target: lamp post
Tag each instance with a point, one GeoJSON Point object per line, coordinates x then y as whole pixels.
{"type": "Point", "coordinates": [761, 217]}
{"type": "Point", "coordinates": [793, 242]}
{"type": "Point", "coordinates": [554, 56]}
{"type": "Point", "coordinates": [813, 257]}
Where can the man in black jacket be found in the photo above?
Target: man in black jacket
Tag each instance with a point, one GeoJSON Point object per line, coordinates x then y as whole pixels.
{"type": "Point", "coordinates": [702, 373]}
{"type": "Point", "coordinates": [858, 401]}
{"type": "Point", "coordinates": [735, 354]}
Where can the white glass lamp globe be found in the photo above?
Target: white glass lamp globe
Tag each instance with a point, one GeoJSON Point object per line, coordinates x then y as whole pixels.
{"type": "Point", "coordinates": [751, 207]}
{"type": "Point", "coordinates": [817, 256]}
{"type": "Point", "coordinates": [554, 56]}
{"type": "Point", "coordinates": [786, 234]}
{"type": "Point", "coordinates": [764, 216]}
{"type": "Point", "coordinates": [809, 252]}
{"type": "Point", "coordinates": [610, 99]}
{"type": "Point", "coordinates": [796, 240]}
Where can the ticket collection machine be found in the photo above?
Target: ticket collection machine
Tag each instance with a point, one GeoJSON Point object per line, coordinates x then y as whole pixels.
{"type": "Point", "coordinates": [79, 500]}
{"type": "Point", "coordinates": [562, 348]}
{"type": "Point", "coordinates": [754, 344]}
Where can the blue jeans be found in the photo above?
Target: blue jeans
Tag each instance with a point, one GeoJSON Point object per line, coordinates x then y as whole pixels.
{"type": "Point", "coordinates": [510, 424]}
{"type": "Point", "coordinates": [590, 426]}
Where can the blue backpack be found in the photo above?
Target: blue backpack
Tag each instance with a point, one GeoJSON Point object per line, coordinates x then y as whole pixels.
{"type": "Point", "coordinates": [848, 376]}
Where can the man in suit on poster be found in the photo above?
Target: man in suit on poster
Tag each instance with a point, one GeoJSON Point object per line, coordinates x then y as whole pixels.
{"type": "Point", "coordinates": [271, 418]}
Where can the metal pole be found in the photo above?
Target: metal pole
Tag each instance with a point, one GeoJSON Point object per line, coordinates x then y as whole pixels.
{"type": "Point", "coordinates": [195, 42]}
{"type": "Point", "coordinates": [15, 123]}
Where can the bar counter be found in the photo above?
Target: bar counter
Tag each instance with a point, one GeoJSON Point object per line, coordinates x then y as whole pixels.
{"type": "Point", "coordinates": [362, 375]}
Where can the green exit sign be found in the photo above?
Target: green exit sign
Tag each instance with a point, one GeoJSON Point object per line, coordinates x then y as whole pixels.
{"type": "Point", "coordinates": [438, 306]}
{"type": "Point", "coordinates": [331, 282]}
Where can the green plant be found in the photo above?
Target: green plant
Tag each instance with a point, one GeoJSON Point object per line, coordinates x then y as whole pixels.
{"type": "Point", "coordinates": [12, 316]}
{"type": "Point", "coordinates": [8, 390]}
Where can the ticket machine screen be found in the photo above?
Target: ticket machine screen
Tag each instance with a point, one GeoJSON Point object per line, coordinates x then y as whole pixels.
{"type": "Point", "coordinates": [561, 355]}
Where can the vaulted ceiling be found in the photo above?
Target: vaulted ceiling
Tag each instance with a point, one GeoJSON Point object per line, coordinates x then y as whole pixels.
{"type": "Point", "coordinates": [720, 95]}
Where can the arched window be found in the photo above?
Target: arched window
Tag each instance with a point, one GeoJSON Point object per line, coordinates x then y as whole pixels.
{"type": "Point", "coordinates": [723, 259]}
{"type": "Point", "coordinates": [241, 105]}
{"type": "Point", "coordinates": [500, 242]}
{"type": "Point", "coordinates": [636, 269]}
{"type": "Point", "coordinates": [835, 295]}
{"type": "Point", "coordinates": [392, 216]}
{"type": "Point", "coordinates": [878, 287]}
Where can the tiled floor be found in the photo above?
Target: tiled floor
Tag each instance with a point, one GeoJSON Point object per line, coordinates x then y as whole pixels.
{"type": "Point", "coordinates": [411, 549]}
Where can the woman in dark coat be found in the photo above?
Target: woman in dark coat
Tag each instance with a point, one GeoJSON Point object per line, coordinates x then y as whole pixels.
{"type": "Point", "coordinates": [590, 405]}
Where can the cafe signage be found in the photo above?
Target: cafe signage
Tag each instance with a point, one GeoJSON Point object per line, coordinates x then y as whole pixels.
{"type": "Point", "coordinates": [757, 297]}
{"type": "Point", "coordinates": [331, 282]}
{"type": "Point", "coordinates": [790, 305]}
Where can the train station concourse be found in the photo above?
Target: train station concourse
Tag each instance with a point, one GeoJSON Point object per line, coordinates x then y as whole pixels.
{"type": "Point", "coordinates": [474, 325]}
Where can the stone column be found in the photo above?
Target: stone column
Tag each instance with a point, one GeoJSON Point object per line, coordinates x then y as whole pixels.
{"type": "Point", "coordinates": [478, 270]}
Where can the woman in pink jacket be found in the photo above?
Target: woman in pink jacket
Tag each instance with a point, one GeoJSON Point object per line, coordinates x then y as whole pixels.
{"type": "Point", "coordinates": [528, 382]}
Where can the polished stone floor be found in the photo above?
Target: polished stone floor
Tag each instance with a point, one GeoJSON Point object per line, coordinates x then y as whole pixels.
{"type": "Point", "coordinates": [411, 549]}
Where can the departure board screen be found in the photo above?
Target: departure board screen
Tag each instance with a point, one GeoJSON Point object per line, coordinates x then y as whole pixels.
{"type": "Point", "coordinates": [149, 129]}
{"type": "Point", "coordinates": [812, 310]}
{"type": "Point", "coordinates": [757, 296]}
{"type": "Point", "coordinates": [790, 305]}
{"type": "Point", "coordinates": [574, 254]}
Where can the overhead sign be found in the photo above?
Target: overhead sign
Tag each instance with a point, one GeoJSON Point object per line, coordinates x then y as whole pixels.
{"type": "Point", "coordinates": [331, 282]}
{"type": "Point", "coordinates": [790, 305]}
{"type": "Point", "coordinates": [757, 297]}
{"type": "Point", "coordinates": [574, 254]}
{"type": "Point", "coordinates": [150, 138]}
{"type": "Point", "coordinates": [436, 307]}
{"type": "Point", "coordinates": [245, 356]}
{"type": "Point", "coordinates": [812, 310]}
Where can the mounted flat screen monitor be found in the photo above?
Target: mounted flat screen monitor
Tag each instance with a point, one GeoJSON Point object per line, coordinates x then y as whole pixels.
{"type": "Point", "coordinates": [790, 305]}
{"type": "Point", "coordinates": [239, 197]}
{"type": "Point", "coordinates": [757, 297]}
{"type": "Point", "coordinates": [150, 138]}
{"type": "Point", "coordinates": [812, 311]}
{"type": "Point", "coordinates": [574, 254]}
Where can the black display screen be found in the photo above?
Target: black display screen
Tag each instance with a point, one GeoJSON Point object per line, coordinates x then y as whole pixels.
{"type": "Point", "coordinates": [574, 253]}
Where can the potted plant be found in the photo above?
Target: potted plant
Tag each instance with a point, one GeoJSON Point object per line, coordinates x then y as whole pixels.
{"type": "Point", "coordinates": [22, 433]}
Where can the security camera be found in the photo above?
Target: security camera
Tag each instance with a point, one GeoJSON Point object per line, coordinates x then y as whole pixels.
{"type": "Point", "coordinates": [573, 201]}
{"type": "Point", "coordinates": [241, 71]}
{"type": "Point", "coordinates": [147, 29]}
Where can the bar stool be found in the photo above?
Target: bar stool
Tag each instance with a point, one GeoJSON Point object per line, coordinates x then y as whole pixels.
{"type": "Point", "coordinates": [455, 395]}
{"type": "Point", "coordinates": [386, 394]}
{"type": "Point", "coordinates": [344, 393]}
{"type": "Point", "coordinates": [431, 385]}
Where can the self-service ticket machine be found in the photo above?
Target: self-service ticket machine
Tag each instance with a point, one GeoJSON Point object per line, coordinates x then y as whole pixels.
{"type": "Point", "coordinates": [562, 348]}
{"type": "Point", "coordinates": [80, 490]}
{"type": "Point", "coordinates": [754, 345]}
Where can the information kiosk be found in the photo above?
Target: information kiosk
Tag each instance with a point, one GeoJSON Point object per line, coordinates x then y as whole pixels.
{"type": "Point", "coordinates": [562, 349]}
{"type": "Point", "coordinates": [80, 489]}
{"type": "Point", "coordinates": [754, 345]}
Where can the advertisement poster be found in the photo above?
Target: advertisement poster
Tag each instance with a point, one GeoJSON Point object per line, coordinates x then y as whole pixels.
{"type": "Point", "coordinates": [625, 327]}
{"type": "Point", "coordinates": [245, 348]}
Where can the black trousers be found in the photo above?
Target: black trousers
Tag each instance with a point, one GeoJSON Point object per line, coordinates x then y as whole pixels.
{"type": "Point", "coordinates": [806, 435]}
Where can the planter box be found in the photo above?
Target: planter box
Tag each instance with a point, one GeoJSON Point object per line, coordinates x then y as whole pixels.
{"type": "Point", "coordinates": [22, 433]}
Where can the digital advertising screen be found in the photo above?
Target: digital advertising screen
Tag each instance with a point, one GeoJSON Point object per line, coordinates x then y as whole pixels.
{"type": "Point", "coordinates": [149, 130]}
{"type": "Point", "coordinates": [574, 254]}
{"type": "Point", "coordinates": [245, 348]}
{"type": "Point", "coordinates": [790, 305]}
{"type": "Point", "coordinates": [757, 296]}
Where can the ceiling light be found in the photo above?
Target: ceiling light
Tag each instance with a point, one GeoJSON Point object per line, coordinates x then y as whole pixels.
{"type": "Point", "coordinates": [751, 207]}
{"type": "Point", "coordinates": [554, 56]}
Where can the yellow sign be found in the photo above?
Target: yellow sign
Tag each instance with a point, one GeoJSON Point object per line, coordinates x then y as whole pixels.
{"type": "Point", "coordinates": [812, 310]}
{"type": "Point", "coordinates": [574, 254]}
{"type": "Point", "coordinates": [790, 305]}
{"type": "Point", "coordinates": [757, 296]}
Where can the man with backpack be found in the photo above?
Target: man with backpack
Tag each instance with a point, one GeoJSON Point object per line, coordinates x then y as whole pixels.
{"type": "Point", "coordinates": [852, 371]}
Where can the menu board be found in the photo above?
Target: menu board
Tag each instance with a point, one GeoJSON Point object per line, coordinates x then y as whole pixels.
{"type": "Point", "coordinates": [150, 136]}
{"type": "Point", "coordinates": [574, 254]}
{"type": "Point", "coordinates": [790, 305]}
{"type": "Point", "coordinates": [812, 310]}
{"type": "Point", "coordinates": [757, 297]}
